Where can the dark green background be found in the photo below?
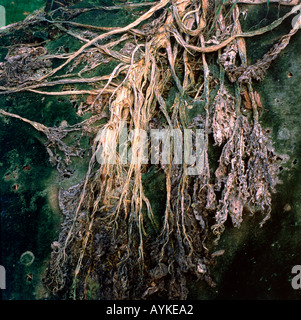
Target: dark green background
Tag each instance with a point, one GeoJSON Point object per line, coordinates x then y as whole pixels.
{"type": "Point", "coordinates": [257, 262]}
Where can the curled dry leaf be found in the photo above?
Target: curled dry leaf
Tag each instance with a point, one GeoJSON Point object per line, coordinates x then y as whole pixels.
{"type": "Point", "coordinates": [110, 234]}
{"type": "Point", "coordinates": [223, 116]}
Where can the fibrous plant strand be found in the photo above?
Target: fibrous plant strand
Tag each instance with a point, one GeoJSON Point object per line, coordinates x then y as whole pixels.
{"type": "Point", "coordinates": [110, 230]}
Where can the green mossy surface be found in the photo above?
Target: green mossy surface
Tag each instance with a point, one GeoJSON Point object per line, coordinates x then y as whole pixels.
{"type": "Point", "coordinates": [17, 10]}
{"type": "Point", "coordinates": [30, 219]}
{"type": "Point", "coordinates": [257, 262]}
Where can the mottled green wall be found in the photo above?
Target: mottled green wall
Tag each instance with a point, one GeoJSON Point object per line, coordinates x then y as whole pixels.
{"type": "Point", "coordinates": [257, 262]}
{"type": "Point", "coordinates": [18, 10]}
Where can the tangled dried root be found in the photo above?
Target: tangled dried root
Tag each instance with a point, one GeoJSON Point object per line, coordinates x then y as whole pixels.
{"type": "Point", "coordinates": [110, 237]}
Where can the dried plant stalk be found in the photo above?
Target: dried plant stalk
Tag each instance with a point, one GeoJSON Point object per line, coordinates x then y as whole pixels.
{"type": "Point", "coordinates": [110, 234]}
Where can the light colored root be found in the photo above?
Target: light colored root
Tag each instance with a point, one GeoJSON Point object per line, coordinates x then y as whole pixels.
{"type": "Point", "coordinates": [112, 201]}
{"type": "Point", "coordinates": [103, 36]}
{"type": "Point", "coordinates": [281, 2]}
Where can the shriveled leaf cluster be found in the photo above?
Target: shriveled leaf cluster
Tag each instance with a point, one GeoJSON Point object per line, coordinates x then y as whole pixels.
{"type": "Point", "coordinates": [111, 236]}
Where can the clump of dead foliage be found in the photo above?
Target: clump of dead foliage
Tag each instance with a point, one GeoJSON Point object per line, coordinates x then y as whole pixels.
{"type": "Point", "coordinates": [110, 236]}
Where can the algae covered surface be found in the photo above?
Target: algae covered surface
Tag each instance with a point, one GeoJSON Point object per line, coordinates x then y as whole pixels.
{"type": "Point", "coordinates": [42, 177]}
